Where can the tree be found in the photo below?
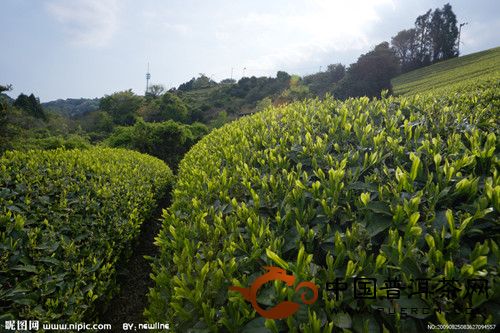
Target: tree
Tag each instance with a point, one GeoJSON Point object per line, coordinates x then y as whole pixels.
{"type": "Point", "coordinates": [5, 88]}
{"type": "Point", "coordinates": [31, 105]}
{"type": "Point", "coordinates": [444, 34]}
{"type": "Point", "coordinates": [3, 105]}
{"type": "Point", "coordinates": [296, 91]}
{"type": "Point", "coordinates": [437, 35]}
{"type": "Point", "coordinates": [371, 74]}
{"type": "Point", "coordinates": [172, 107]}
{"type": "Point", "coordinates": [423, 39]}
{"type": "Point", "coordinates": [336, 71]}
{"type": "Point", "coordinates": [228, 81]}
{"type": "Point", "coordinates": [155, 90]}
{"type": "Point", "coordinates": [186, 86]}
{"type": "Point", "coordinates": [103, 122]}
{"type": "Point", "coordinates": [405, 47]}
{"type": "Point", "coordinates": [283, 76]}
{"type": "Point", "coordinates": [433, 39]}
{"type": "Point", "coordinates": [121, 106]}
{"type": "Point", "coordinates": [168, 107]}
{"type": "Point", "coordinates": [450, 32]}
{"type": "Point", "coordinates": [203, 81]}
{"type": "Point", "coordinates": [322, 82]}
{"type": "Point", "coordinates": [3, 109]}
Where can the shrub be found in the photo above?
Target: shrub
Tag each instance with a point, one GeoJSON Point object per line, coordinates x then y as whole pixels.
{"type": "Point", "coordinates": [400, 188]}
{"type": "Point", "coordinates": [167, 140]}
{"type": "Point", "coordinates": [72, 141]}
{"type": "Point", "coordinates": [121, 106]}
{"type": "Point", "coordinates": [66, 218]}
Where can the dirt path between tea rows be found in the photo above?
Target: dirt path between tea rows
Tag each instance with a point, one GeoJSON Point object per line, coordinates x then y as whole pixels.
{"type": "Point", "coordinates": [133, 277]}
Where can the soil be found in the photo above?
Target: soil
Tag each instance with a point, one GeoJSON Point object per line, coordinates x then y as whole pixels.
{"type": "Point", "coordinates": [133, 277]}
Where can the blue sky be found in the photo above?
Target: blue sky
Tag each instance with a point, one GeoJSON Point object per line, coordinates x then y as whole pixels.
{"type": "Point", "coordinates": [89, 48]}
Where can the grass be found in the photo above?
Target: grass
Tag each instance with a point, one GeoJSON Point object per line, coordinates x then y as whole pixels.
{"type": "Point", "coordinates": [456, 71]}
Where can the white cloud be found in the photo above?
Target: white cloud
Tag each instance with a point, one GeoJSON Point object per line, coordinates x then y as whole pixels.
{"type": "Point", "coordinates": [166, 20]}
{"type": "Point", "coordinates": [87, 22]}
{"type": "Point", "coordinates": [300, 32]}
{"type": "Point", "coordinates": [180, 29]}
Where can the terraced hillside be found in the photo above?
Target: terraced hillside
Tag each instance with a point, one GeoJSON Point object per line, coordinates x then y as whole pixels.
{"type": "Point", "coordinates": [458, 71]}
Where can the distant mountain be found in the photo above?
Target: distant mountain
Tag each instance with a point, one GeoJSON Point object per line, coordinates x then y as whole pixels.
{"type": "Point", "coordinates": [72, 107]}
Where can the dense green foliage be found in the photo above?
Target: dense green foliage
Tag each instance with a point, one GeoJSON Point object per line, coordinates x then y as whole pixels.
{"type": "Point", "coordinates": [370, 75]}
{"type": "Point", "coordinates": [166, 107]}
{"type": "Point", "coordinates": [31, 105]}
{"type": "Point", "coordinates": [66, 218]}
{"type": "Point", "coordinates": [168, 140]}
{"type": "Point", "coordinates": [121, 106]}
{"type": "Point", "coordinates": [433, 39]}
{"type": "Point", "coordinates": [72, 106]}
{"type": "Point", "coordinates": [4, 105]}
{"type": "Point", "coordinates": [200, 82]}
{"type": "Point", "coordinates": [233, 98]}
{"type": "Point", "coordinates": [401, 188]}
{"type": "Point", "coordinates": [71, 141]}
{"type": "Point", "coordinates": [25, 125]}
{"type": "Point", "coordinates": [4, 88]}
{"type": "Point", "coordinates": [466, 70]}
{"type": "Point", "coordinates": [98, 125]}
{"type": "Point", "coordinates": [22, 129]}
{"type": "Point", "coordinates": [322, 83]}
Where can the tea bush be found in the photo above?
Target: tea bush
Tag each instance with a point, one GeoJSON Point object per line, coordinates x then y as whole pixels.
{"type": "Point", "coordinates": [397, 188]}
{"type": "Point", "coordinates": [66, 218]}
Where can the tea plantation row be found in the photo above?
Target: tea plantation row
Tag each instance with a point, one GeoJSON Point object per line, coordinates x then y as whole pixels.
{"type": "Point", "coordinates": [66, 218]}
{"type": "Point", "coordinates": [404, 188]}
{"type": "Point", "coordinates": [453, 72]}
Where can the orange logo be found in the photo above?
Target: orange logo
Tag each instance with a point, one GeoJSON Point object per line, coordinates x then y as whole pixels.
{"type": "Point", "coordinates": [283, 309]}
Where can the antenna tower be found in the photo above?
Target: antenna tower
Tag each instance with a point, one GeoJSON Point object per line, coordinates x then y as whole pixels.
{"type": "Point", "coordinates": [148, 76]}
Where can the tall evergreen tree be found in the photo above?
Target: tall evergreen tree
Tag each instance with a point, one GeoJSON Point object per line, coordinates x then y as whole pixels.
{"type": "Point", "coordinates": [437, 35]}
{"type": "Point", "coordinates": [433, 39]}
{"type": "Point", "coordinates": [444, 34]}
{"type": "Point", "coordinates": [423, 39]}
{"type": "Point", "coordinates": [450, 32]}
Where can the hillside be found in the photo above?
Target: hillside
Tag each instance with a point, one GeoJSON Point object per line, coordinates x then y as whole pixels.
{"type": "Point", "coordinates": [72, 106]}
{"type": "Point", "coordinates": [466, 69]}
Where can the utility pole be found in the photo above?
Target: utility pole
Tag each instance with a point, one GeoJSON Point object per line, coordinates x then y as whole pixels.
{"type": "Point", "coordinates": [231, 73]}
{"type": "Point", "coordinates": [459, 32]}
